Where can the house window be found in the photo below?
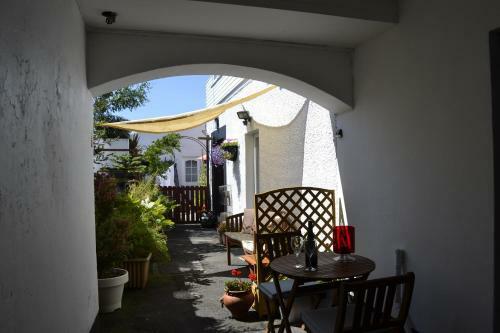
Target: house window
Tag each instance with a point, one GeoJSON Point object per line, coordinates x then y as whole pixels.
{"type": "Point", "coordinates": [191, 171]}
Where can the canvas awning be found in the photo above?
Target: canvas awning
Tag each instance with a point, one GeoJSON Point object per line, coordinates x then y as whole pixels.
{"type": "Point", "coordinates": [183, 121]}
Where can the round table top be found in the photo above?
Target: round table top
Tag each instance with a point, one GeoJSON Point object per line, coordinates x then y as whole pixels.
{"type": "Point", "coordinates": [328, 268]}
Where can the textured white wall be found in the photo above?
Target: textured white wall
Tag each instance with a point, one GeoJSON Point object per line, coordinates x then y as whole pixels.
{"type": "Point", "coordinates": [296, 143]}
{"type": "Point", "coordinates": [416, 159]}
{"type": "Point", "coordinates": [48, 280]}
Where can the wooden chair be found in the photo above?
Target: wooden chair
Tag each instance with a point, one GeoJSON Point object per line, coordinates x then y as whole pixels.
{"type": "Point", "coordinates": [370, 311]}
{"type": "Point", "coordinates": [289, 209]}
{"type": "Point", "coordinates": [233, 236]}
{"type": "Point", "coordinates": [269, 247]}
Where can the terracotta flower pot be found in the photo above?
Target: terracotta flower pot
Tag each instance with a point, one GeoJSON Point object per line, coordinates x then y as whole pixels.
{"type": "Point", "coordinates": [238, 302]}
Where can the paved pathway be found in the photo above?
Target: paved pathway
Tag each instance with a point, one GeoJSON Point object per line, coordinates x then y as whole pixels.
{"type": "Point", "coordinates": [182, 295]}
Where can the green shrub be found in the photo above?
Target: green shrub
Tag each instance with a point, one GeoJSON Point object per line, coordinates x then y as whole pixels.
{"type": "Point", "coordinates": [147, 233]}
{"type": "Point", "coordinates": [154, 205]}
{"type": "Point", "coordinates": [128, 225]}
{"type": "Point", "coordinates": [112, 223]}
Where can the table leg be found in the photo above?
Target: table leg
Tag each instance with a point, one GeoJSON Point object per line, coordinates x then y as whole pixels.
{"type": "Point", "coordinates": [285, 309]}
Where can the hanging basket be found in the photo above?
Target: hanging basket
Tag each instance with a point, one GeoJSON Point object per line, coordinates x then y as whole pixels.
{"type": "Point", "coordinates": [230, 153]}
{"type": "Point", "coordinates": [217, 156]}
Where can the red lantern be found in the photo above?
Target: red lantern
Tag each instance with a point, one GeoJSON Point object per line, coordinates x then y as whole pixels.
{"type": "Point", "coordinates": [343, 242]}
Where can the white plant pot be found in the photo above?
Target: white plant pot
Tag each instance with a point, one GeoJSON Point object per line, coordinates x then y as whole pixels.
{"type": "Point", "coordinates": [111, 291]}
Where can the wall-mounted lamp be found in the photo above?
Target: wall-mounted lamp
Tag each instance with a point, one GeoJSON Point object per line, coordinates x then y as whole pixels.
{"type": "Point", "coordinates": [110, 17]}
{"type": "Point", "coordinates": [245, 116]}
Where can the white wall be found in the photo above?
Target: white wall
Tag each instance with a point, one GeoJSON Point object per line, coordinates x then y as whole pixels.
{"type": "Point", "coordinates": [48, 279]}
{"type": "Point", "coordinates": [416, 159]}
{"type": "Point", "coordinates": [189, 150]}
{"type": "Point", "coordinates": [295, 138]}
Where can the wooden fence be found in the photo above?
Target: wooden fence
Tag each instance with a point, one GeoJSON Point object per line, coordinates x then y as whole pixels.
{"type": "Point", "coordinates": [190, 201]}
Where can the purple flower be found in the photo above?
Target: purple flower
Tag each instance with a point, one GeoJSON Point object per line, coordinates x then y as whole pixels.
{"type": "Point", "coordinates": [217, 156]}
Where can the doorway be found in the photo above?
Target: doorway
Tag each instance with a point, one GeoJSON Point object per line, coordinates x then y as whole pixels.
{"type": "Point", "coordinates": [252, 165]}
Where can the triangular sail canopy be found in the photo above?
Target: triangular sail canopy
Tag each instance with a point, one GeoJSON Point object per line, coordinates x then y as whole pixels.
{"type": "Point", "coordinates": [183, 121]}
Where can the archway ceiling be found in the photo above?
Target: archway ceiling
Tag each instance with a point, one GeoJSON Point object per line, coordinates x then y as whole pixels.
{"type": "Point", "coordinates": [345, 23]}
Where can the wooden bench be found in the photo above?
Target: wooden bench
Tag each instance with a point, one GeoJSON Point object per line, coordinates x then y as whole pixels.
{"type": "Point", "coordinates": [233, 236]}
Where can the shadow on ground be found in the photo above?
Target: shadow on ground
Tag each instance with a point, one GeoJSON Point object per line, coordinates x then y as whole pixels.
{"type": "Point", "coordinates": [182, 295]}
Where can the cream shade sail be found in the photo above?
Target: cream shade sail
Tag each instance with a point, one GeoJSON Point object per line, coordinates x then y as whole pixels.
{"type": "Point", "coordinates": [183, 121]}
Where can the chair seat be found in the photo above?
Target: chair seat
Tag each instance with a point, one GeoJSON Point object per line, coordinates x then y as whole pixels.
{"type": "Point", "coordinates": [239, 236]}
{"type": "Point", "coordinates": [323, 320]}
{"type": "Point", "coordinates": [248, 246]}
{"type": "Point", "coordinates": [269, 289]}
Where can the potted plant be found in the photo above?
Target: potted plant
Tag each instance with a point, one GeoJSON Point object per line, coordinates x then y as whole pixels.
{"type": "Point", "coordinates": [238, 296]}
{"type": "Point", "coordinates": [230, 149]}
{"type": "Point", "coordinates": [208, 219]}
{"type": "Point", "coordinates": [221, 229]}
{"type": "Point", "coordinates": [112, 227]}
{"type": "Point", "coordinates": [146, 238]}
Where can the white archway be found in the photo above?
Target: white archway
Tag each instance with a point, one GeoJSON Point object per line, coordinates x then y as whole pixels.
{"type": "Point", "coordinates": [301, 88]}
{"type": "Point", "coordinates": [117, 59]}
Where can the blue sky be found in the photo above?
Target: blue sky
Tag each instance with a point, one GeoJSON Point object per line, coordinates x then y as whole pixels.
{"type": "Point", "coordinates": [171, 96]}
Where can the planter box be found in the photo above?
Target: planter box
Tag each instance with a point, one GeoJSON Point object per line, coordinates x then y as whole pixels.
{"type": "Point", "coordinates": [138, 270]}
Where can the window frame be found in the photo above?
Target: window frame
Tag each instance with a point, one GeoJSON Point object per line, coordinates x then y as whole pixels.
{"type": "Point", "coordinates": [191, 171]}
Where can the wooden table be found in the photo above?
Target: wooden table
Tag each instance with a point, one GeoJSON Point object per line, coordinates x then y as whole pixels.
{"type": "Point", "coordinates": [328, 270]}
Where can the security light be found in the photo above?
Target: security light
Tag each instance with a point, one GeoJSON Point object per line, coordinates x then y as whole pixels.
{"type": "Point", "coordinates": [245, 116]}
{"type": "Point", "coordinates": [110, 17]}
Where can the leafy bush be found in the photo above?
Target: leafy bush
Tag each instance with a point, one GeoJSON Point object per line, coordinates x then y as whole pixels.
{"type": "Point", "coordinates": [128, 225]}
{"type": "Point", "coordinates": [112, 222]}
{"type": "Point", "coordinates": [147, 232]}
{"type": "Point", "coordinates": [144, 239]}
{"type": "Point", "coordinates": [154, 205]}
{"type": "Point", "coordinates": [155, 152]}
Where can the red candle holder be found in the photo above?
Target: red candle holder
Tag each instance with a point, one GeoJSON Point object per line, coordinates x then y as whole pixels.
{"type": "Point", "coordinates": [343, 242]}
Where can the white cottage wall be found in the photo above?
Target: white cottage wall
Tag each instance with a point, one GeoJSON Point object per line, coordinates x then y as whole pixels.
{"type": "Point", "coordinates": [190, 150]}
{"type": "Point", "coordinates": [296, 143]}
{"type": "Point", "coordinates": [416, 159]}
{"type": "Point", "coordinates": [48, 279]}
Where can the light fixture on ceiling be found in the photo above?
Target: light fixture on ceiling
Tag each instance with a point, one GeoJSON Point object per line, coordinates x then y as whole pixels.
{"type": "Point", "coordinates": [110, 17]}
{"type": "Point", "coordinates": [245, 116]}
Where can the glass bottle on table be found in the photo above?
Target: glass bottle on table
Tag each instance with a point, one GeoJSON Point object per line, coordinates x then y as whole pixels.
{"type": "Point", "coordinates": [311, 251]}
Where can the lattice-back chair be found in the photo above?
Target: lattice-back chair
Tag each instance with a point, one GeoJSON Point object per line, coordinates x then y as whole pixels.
{"type": "Point", "coordinates": [289, 209]}
{"type": "Point", "coordinates": [372, 308]}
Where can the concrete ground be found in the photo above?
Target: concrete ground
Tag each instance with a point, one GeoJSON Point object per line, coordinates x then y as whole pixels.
{"type": "Point", "coordinates": [182, 295]}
